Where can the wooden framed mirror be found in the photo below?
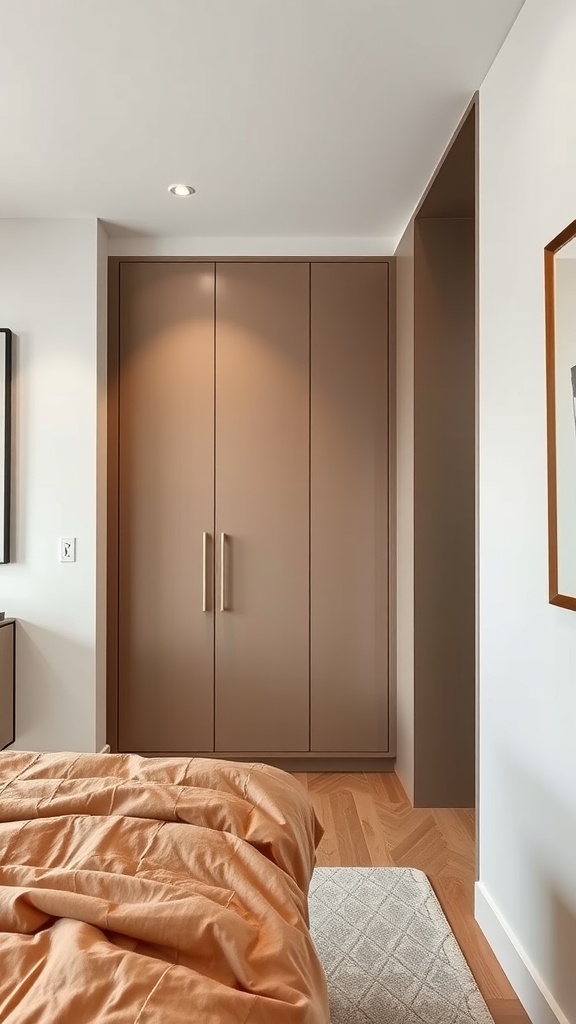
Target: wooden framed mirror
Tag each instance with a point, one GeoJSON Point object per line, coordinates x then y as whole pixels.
{"type": "Point", "coordinates": [560, 302]}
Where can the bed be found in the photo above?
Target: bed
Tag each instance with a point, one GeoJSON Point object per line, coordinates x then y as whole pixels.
{"type": "Point", "coordinates": [155, 891]}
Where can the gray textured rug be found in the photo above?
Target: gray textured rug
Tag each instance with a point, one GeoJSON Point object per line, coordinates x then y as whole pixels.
{"type": "Point", "coordinates": [388, 951]}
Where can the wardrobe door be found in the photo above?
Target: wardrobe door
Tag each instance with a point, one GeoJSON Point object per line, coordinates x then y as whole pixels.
{"type": "Point", "coordinates": [166, 505]}
{"type": "Point", "coordinates": [349, 507]}
{"type": "Point", "coordinates": [262, 507]}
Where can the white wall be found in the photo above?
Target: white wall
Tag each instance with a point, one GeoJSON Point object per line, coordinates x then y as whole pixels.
{"type": "Point", "coordinates": [48, 275]}
{"type": "Point", "coordinates": [101, 481]}
{"type": "Point", "coordinates": [141, 245]}
{"type": "Point", "coordinates": [526, 899]}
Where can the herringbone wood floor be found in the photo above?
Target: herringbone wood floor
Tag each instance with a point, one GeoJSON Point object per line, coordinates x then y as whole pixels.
{"type": "Point", "coordinates": [368, 820]}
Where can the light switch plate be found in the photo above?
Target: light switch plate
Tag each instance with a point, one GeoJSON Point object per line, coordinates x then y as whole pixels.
{"type": "Point", "coordinates": [67, 549]}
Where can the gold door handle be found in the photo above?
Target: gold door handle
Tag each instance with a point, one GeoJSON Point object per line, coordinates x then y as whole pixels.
{"type": "Point", "coordinates": [205, 538]}
{"type": "Point", "coordinates": [223, 572]}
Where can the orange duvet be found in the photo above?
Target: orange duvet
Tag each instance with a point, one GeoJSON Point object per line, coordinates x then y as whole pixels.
{"type": "Point", "coordinates": [155, 891]}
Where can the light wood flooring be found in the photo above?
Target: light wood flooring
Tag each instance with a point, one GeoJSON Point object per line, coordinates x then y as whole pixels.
{"type": "Point", "coordinates": [369, 821]}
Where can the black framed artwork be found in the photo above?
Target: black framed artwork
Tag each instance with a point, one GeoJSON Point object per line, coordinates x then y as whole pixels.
{"type": "Point", "coordinates": [5, 440]}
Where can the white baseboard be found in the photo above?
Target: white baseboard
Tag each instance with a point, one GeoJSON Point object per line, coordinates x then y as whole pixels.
{"type": "Point", "coordinates": [105, 749]}
{"type": "Point", "coordinates": [534, 995]}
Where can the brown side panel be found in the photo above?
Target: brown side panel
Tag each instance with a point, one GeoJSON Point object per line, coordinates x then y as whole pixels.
{"type": "Point", "coordinates": [444, 512]}
{"type": "Point", "coordinates": [166, 502]}
{"type": "Point", "coordinates": [349, 507]}
{"type": "Point", "coordinates": [262, 503]}
{"type": "Point", "coordinates": [6, 684]}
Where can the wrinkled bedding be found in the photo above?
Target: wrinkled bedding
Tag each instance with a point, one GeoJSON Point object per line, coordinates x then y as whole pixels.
{"type": "Point", "coordinates": [155, 891]}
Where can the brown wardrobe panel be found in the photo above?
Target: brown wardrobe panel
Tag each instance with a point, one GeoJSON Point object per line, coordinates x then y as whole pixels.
{"type": "Point", "coordinates": [444, 511]}
{"type": "Point", "coordinates": [262, 506]}
{"type": "Point", "coordinates": [166, 503]}
{"type": "Point", "coordinates": [349, 507]}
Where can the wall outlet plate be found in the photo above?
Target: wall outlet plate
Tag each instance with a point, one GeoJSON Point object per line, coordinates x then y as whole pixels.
{"type": "Point", "coordinates": [67, 549]}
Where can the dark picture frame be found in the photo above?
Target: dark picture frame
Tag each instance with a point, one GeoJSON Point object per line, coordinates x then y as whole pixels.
{"type": "Point", "coordinates": [554, 595]}
{"type": "Point", "coordinates": [5, 440]}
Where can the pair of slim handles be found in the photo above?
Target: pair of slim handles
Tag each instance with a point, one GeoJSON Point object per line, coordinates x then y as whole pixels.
{"type": "Point", "coordinates": [205, 538]}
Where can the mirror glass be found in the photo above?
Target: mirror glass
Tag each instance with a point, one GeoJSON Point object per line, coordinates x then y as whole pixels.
{"type": "Point", "coordinates": [560, 265]}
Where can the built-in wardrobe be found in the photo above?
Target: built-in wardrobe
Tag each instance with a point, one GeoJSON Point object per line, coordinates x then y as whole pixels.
{"type": "Point", "coordinates": [248, 597]}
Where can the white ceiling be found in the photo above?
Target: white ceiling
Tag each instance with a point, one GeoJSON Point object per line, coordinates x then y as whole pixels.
{"type": "Point", "coordinates": [290, 117]}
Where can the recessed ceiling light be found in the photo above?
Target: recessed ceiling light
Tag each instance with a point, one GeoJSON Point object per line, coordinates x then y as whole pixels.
{"type": "Point", "coordinates": [181, 190]}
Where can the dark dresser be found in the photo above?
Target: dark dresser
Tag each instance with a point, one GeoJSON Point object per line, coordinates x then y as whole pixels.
{"type": "Point", "coordinates": [7, 683]}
